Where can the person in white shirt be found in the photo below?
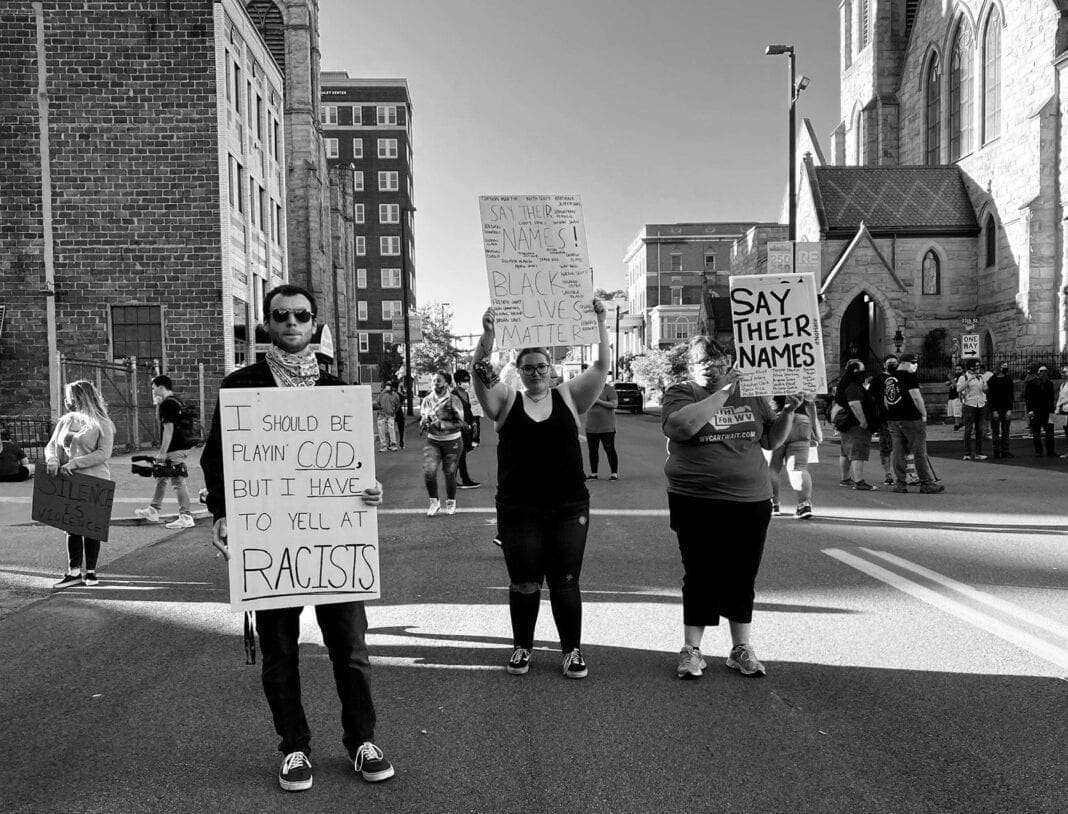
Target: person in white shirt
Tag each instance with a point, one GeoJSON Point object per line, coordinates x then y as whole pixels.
{"type": "Point", "coordinates": [972, 388]}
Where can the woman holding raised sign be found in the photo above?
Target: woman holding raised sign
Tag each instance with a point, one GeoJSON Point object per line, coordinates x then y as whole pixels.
{"type": "Point", "coordinates": [81, 442]}
{"type": "Point", "coordinates": [719, 498]}
{"type": "Point", "coordinates": [543, 507]}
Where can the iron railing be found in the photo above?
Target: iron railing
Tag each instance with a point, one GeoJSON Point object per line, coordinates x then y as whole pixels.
{"type": "Point", "coordinates": [29, 433]}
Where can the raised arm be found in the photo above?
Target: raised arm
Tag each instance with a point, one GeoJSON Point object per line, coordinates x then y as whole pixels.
{"type": "Point", "coordinates": [492, 393]}
{"type": "Point", "coordinates": [587, 386]}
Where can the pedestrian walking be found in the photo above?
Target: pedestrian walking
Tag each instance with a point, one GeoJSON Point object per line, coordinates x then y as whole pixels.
{"type": "Point", "coordinates": [176, 439]}
{"type": "Point", "coordinates": [462, 391]}
{"type": "Point", "coordinates": [972, 388]}
{"type": "Point", "coordinates": [388, 404]}
{"type": "Point", "coordinates": [402, 402]}
{"type": "Point", "coordinates": [440, 419]}
{"type": "Point", "coordinates": [794, 454]}
{"type": "Point", "coordinates": [1039, 401]}
{"type": "Point", "coordinates": [1060, 417]}
{"type": "Point", "coordinates": [1000, 398]}
{"type": "Point", "coordinates": [853, 417]}
{"type": "Point", "coordinates": [14, 465]}
{"type": "Point", "coordinates": [886, 443]}
{"type": "Point", "coordinates": [718, 480]}
{"type": "Point", "coordinates": [81, 442]}
{"type": "Point", "coordinates": [543, 506]}
{"type": "Point", "coordinates": [601, 431]}
{"type": "Point", "coordinates": [906, 414]}
{"type": "Point", "coordinates": [954, 407]}
{"type": "Point", "coordinates": [289, 313]}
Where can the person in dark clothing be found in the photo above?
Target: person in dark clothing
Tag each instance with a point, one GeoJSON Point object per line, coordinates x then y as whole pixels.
{"type": "Point", "coordinates": [1000, 398]}
{"type": "Point", "coordinates": [402, 392]}
{"type": "Point", "coordinates": [886, 443]}
{"type": "Point", "coordinates": [14, 465]}
{"type": "Point", "coordinates": [543, 506]}
{"type": "Point", "coordinates": [1039, 398]}
{"type": "Point", "coordinates": [462, 380]}
{"type": "Point", "coordinates": [906, 413]}
{"type": "Point", "coordinates": [289, 313]}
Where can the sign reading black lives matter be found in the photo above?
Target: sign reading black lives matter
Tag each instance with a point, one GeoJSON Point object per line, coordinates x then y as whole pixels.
{"type": "Point", "coordinates": [540, 281]}
{"type": "Point", "coordinates": [296, 461]}
{"type": "Point", "coordinates": [777, 336]}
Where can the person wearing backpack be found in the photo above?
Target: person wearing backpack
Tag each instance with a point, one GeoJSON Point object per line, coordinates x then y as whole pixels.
{"type": "Point", "coordinates": [175, 440]}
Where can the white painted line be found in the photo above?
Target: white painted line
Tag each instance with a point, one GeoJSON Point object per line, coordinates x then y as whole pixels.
{"type": "Point", "coordinates": [595, 512]}
{"type": "Point", "coordinates": [991, 624]}
{"type": "Point", "coordinates": [409, 661]}
{"type": "Point", "coordinates": [1030, 617]}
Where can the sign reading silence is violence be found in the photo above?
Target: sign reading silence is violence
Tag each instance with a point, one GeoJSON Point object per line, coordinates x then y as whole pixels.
{"type": "Point", "coordinates": [296, 462]}
{"type": "Point", "coordinates": [540, 280]}
{"type": "Point", "coordinates": [777, 336]}
{"type": "Point", "coordinates": [75, 503]}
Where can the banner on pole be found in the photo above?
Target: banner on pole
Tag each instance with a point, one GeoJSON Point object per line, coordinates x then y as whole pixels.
{"type": "Point", "coordinates": [296, 461]}
{"type": "Point", "coordinates": [777, 335]}
{"type": "Point", "coordinates": [76, 503]}
{"type": "Point", "coordinates": [537, 262]}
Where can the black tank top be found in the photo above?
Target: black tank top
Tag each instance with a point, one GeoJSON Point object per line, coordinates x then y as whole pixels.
{"type": "Point", "coordinates": [539, 462]}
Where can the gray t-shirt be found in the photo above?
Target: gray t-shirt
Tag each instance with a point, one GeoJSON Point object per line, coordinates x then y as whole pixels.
{"type": "Point", "coordinates": [723, 460]}
{"type": "Point", "coordinates": [602, 419]}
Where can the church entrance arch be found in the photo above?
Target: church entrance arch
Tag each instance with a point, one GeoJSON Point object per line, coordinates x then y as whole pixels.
{"type": "Point", "coordinates": [860, 335]}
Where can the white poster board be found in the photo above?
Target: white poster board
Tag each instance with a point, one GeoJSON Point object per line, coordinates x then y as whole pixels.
{"type": "Point", "coordinates": [969, 346]}
{"type": "Point", "coordinates": [540, 280]}
{"type": "Point", "coordinates": [296, 461]}
{"type": "Point", "coordinates": [777, 335]}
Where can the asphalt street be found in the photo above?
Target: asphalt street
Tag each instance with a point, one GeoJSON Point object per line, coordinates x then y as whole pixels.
{"type": "Point", "coordinates": [916, 646]}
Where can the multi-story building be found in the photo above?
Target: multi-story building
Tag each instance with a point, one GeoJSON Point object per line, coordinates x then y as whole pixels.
{"type": "Point", "coordinates": [670, 267]}
{"type": "Point", "coordinates": [367, 125]}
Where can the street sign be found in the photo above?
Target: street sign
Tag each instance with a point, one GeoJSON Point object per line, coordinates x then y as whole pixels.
{"type": "Point", "coordinates": [969, 323]}
{"type": "Point", "coordinates": [969, 346]}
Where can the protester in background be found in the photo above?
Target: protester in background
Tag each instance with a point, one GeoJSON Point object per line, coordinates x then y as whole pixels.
{"type": "Point", "coordinates": [852, 416]}
{"type": "Point", "coordinates": [14, 465]}
{"type": "Point", "coordinates": [794, 453]}
{"type": "Point", "coordinates": [543, 506]}
{"type": "Point", "coordinates": [388, 404]}
{"type": "Point", "coordinates": [601, 431]}
{"type": "Point", "coordinates": [999, 398]}
{"type": "Point", "coordinates": [462, 379]}
{"type": "Point", "coordinates": [1061, 410]}
{"type": "Point", "coordinates": [81, 442]}
{"type": "Point", "coordinates": [289, 312]}
{"type": "Point", "coordinates": [476, 414]}
{"type": "Point", "coordinates": [174, 446]}
{"type": "Point", "coordinates": [402, 398]}
{"type": "Point", "coordinates": [441, 415]}
{"type": "Point", "coordinates": [886, 443]}
{"type": "Point", "coordinates": [907, 416]}
{"type": "Point", "coordinates": [718, 481]}
{"type": "Point", "coordinates": [1039, 399]}
{"type": "Point", "coordinates": [972, 389]}
{"type": "Point", "coordinates": [954, 408]}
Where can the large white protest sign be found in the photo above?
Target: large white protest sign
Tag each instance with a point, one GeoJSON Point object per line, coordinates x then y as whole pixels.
{"type": "Point", "coordinates": [296, 461]}
{"type": "Point", "coordinates": [777, 334]}
{"type": "Point", "coordinates": [540, 281]}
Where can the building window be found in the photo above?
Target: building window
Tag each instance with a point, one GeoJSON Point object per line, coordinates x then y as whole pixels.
{"type": "Point", "coordinates": [358, 213]}
{"type": "Point", "coordinates": [681, 328]}
{"type": "Point", "coordinates": [387, 148]}
{"type": "Point", "coordinates": [331, 148]}
{"type": "Point", "coordinates": [264, 226]}
{"type": "Point", "coordinates": [357, 148]}
{"type": "Point", "coordinates": [932, 274]}
{"type": "Point", "coordinates": [240, 332]}
{"type": "Point", "coordinates": [389, 246]}
{"type": "Point", "coordinates": [361, 245]}
{"type": "Point", "coordinates": [710, 261]}
{"type": "Point", "coordinates": [860, 138]}
{"type": "Point", "coordinates": [387, 339]}
{"type": "Point", "coordinates": [933, 108]}
{"type": "Point", "coordinates": [361, 310]}
{"type": "Point", "coordinates": [357, 181]}
{"type": "Point", "coordinates": [365, 342]}
{"type": "Point", "coordinates": [389, 181]}
{"type": "Point", "coordinates": [328, 114]}
{"type": "Point", "coordinates": [847, 33]}
{"type": "Point", "coordinates": [992, 76]}
{"type": "Point", "coordinates": [276, 223]}
{"type": "Point", "coordinates": [274, 138]}
{"type": "Point", "coordinates": [137, 330]}
{"type": "Point", "coordinates": [389, 213]}
{"type": "Point", "coordinates": [391, 278]}
{"type": "Point", "coordinates": [676, 295]}
{"type": "Point", "coordinates": [864, 35]}
{"type": "Point", "coordinates": [231, 183]}
{"type": "Point", "coordinates": [960, 94]}
{"type": "Point", "coordinates": [391, 309]}
{"type": "Point", "coordinates": [240, 189]}
{"type": "Point", "coordinates": [387, 114]}
{"type": "Point", "coordinates": [676, 262]}
{"type": "Point", "coordinates": [361, 278]}
{"type": "Point", "coordinates": [237, 88]}
{"type": "Point", "coordinates": [991, 233]}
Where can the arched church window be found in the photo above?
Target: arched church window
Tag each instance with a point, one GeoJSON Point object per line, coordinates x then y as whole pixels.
{"type": "Point", "coordinates": [267, 18]}
{"type": "Point", "coordinates": [990, 232]}
{"type": "Point", "coordinates": [847, 33]}
{"type": "Point", "coordinates": [933, 107]}
{"type": "Point", "coordinates": [992, 76]}
{"type": "Point", "coordinates": [860, 148]}
{"type": "Point", "coordinates": [960, 94]}
{"type": "Point", "coordinates": [932, 273]}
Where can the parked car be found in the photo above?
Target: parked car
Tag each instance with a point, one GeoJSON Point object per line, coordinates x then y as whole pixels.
{"type": "Point", "coordinates": [631, 396]}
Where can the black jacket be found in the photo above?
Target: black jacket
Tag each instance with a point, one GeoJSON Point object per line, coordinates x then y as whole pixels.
{"type": "Point", "coordinates": [1039, 397]}
{"type": "Point", "coordinates": [253, 376]}
{"type": "Point", "coordinates": [999, 393]}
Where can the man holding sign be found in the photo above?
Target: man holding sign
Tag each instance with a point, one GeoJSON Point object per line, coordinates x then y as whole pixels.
{"type": "Point", "coordinates": [289, 313]}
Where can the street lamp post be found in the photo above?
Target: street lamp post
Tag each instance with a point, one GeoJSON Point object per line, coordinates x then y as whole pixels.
{"type": "Point", "coordinates": [796, 87]}
{"type": "Point", "coordinates": [405, 213]}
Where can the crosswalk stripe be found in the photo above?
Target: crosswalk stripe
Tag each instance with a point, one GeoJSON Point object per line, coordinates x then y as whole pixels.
{"type": "Point", "coordinates": [984, 621]}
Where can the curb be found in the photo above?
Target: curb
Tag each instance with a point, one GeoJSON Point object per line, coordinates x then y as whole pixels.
{"type": "Point", "coordinates": [202, 514]}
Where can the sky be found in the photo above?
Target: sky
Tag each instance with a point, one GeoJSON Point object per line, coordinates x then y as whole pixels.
{"type": "Point", "coordinates": [653, 112]}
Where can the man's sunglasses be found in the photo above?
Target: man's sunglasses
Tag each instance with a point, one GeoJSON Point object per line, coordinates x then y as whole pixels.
{"type": "Point", "coordinates": [282, 315]}
{"type": "Point", "coordinates": [530, 370]}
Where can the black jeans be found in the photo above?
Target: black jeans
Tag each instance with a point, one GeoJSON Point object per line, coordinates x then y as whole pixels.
{"type": "Point", "coordinates": [974, 422]}
{"type": "Point", "coordinates": [344, 627]}
{"type": "Point", "coordinates": [1042, 424]}
{"type": "Point", "coordinates": [466, 438]}
{"type": "Point", "coordinates": [608, 439]}
{"type": "Point", "coordinates": [399, 418]}
{"type": "Point", "coordinates": [999, 430]}
{"type": "Point", "coordinates": [21, 475]}
{"type": "Point", "coordinates": [544, 543]}
{"type": "Point", "coordinates": [79, 547]}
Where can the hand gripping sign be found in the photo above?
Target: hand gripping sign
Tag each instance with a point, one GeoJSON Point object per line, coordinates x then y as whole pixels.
{"type": "Point", "coordinates": [777, 336]}
{"type": "Point", "coordinates": [540, 281]}
{"type": "Point", "coordinates": [296, 461]}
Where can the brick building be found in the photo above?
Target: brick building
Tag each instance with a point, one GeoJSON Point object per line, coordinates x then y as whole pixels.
{"type": "Point", "coordinates": [367, 124]}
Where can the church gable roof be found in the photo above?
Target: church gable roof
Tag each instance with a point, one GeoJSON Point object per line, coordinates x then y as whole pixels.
{"type": "Point", "coordinates": [893, 200]}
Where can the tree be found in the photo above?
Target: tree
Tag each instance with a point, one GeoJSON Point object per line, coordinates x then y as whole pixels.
{"type": "Point", "coordinates": [437, 351]}
{"type": "Point", "coordinates": [656, 370]}
{"type": "Point", "coordinates": [605, 294]}
{"type": "Point", "coordinates": [391, 365]}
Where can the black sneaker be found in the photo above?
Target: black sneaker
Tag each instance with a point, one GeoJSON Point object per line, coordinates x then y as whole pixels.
{"type": "Point", "coordinates": [900, 488]}
{"type": "Point", "coordinates": [863, 486]}
{"type": "Point", "coordinates": [804, 510]}
{"type": "Point", "coordinates": [519, 662]}
{"type": "Point", "coordinates": [846, 482]}
{"type": "Point", "coordinates": [90, 578]}
{"type": "Point", "coordinates": [295, 773]}
{"type": "Point", "coordinates": [371, 763]}
{"type": "Point", "coordinates": [592, 477]}
{"type": "Point", "coordinates": [888, 480]}
{"type": "Point", "coordinates": [471, 484]}
{"type": "Point", "coordinates": [575, 665]}
{"type": "Point", "coordinates": [67, 581]}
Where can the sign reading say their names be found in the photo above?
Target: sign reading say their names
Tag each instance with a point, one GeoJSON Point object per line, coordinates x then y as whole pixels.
{"type": "Point", "coordinates": [296, 461]}
{"type": "Point", "coordinates": [540, 281]}
{"type": "Point", "coordinates": [76, 503]}
{"type": "Point", "coordinates": [777, 336]}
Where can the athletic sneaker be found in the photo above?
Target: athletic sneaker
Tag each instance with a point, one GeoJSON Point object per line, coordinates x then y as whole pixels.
{"type": "Point", "coordinates": [744, 660]}
{"type": "Point", "coordinates": [932, 488]}
{"type": "Point", "coordinates": [90, 578]}
{"type": "Point", "coordinates": [184, 521]}
{"type": "Point", "coordinates": [615, 476]}
{"type": "Point", "coordinates": [846, 482]}
{"type": "Point", "coordinates": [67, 581]}
{"type": "Point", "coordinates": [434, 507]}
{"type": "Point", "coordinates": [471, 484]}
{"type": "Point", "coordinates": [295, 773]}
{"type": "Point", "coordinates": [450, 507]}
{"type": "Point", "coordinates": [980, 457]}
{"type": "Point", "coordinates": [804, 510]}
{"type": "Point", "coordinates": [691, 664]}
{"type": "Point", "coordinates": [371, 763]}
{"type": "Point", "coordinates": [967, 457]}
{"type": "Point", "coordinates": [592, 477]}
{"type": "Point", "coordinates": [900, 487]}
{"type": "Point", "coordinates": [575, 665]}
{"type": "Point", "coordinates": [889, 480]}
{"type": "Point", "coordinates": [149, 513]}
{"type": "Point", "coordinates": [863, 486]}
{"type": "Point", "coordinates": [519, 662]}
{"type": "Point", "coordinates": [774, 508]}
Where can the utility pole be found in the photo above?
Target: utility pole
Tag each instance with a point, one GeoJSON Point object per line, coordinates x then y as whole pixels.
{"type": "Point", "coordinates": [615, 365]}
{"type": "Point", "coordinates": [408, 211]}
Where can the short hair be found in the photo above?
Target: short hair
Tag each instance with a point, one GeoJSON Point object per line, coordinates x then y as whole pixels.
{"type": "Point", "coordinates": [853, 366]}
{"type": "Point", "coordinates": [461, 376]}
{"type": "Point", "coordinates": [711, 347]}
{"type": "Point", "coordinates": [543, 351]}
{"type": "Point", "coordinates": [287, 290]}
{"type": "Point", "coordinates": [163, 381]}
{"type": "Point", "coordinates": [445, 375]}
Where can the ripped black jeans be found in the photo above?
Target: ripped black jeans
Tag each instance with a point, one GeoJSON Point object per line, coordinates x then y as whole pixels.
{"type": "Point", "coordinates": [544, 543]}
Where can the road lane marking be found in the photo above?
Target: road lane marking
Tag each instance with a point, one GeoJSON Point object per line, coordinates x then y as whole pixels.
{"type": "Point", "coordinates": [991, 624]}
{"type": "Point", "coordinates": [490, 510]}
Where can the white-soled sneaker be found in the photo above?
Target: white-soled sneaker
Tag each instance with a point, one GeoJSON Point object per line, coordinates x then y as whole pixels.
{"type": "Point", "coordinates": [691, 663]}
{"type": "Point", "coordinates": [575, 665]}
{"type": "Point", "coordinates": [743, 659]}
{"type": "Point", "coordinates": [295, 773]}
{"type": "Point", "coordinates": [434, 507]}
{"type": "Point", "coordinates": [149, 513]}
{"type": "Point", "coordinates": [184, 521]}
{"type": "Point", "coordinates": [371, 763]}
{"type": "Point", "coordinates": [450, 507]}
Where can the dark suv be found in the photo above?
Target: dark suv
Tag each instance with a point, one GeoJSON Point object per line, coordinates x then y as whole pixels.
{"type": "Point", "coordinates": [631, 397]}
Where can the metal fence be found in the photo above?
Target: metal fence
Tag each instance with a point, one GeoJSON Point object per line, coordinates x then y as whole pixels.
{"type": "Point", "coordinates": [939, 369]}
{"type": "Point", "coordinates": [29, 433]}
{"type": "Point", "coordinates": [124, 387]}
